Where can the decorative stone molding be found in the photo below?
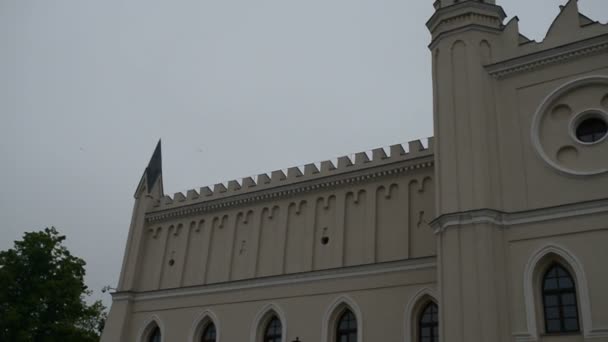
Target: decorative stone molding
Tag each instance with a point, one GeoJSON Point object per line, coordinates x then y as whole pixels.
{"type": "Point", "coordinates": [411, 305]}
{"type": "Point", "coordinates": [464, 13]}
{"type": "Point", "coordinates": [504, 219]}
{"type": "Point", "coordinates": [328, 322]}
{"type": "Point", "coordinates": [582, 290]}
{"type": "Point", "coordinates": [259, 322]}
{"type": "Point", "coordinates": [290, 279]}
{"type": "Point", "coordinates": [577, 159]}
{"type": "Point", "coordinates": [291, 190]}
{"type": "Point", "coordinates": [147, 327]}
{"type": "Point", "coordinates": [412, 151]}
{"type": "Point", "coordinates": [543, 58]}
{"type": "Point", "coordinates": [201, 322]}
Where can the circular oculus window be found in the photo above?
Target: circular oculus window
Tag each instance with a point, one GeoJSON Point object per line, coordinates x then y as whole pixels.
{"type": "Point", "coordinates": [580, 147]}
{"type": "Point", "coordinates": [590, 127]}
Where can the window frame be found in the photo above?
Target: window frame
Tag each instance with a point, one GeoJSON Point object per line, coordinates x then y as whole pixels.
{"type": "Point", "coordinates": [273, 337]}
{"type": "Point", "coordinates": [332, 313]}
{"type": "Point", "coordinates": [151, 336]}
{"type": "Point", "coordinates": [339, 332]}
{"type": "Point", "coordinates": [557, 292]}
{"type": "Point", "coordinates": [209, 325]}
{"type": "Point", "coordinates": [433, 324]}
{"type": "Point", "coordinates": [148, 328]}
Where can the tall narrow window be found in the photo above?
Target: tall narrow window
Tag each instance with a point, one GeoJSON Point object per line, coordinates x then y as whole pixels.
{"type": "Point", "coordinates": [559, 301]}
{"type": "Point", "coordinates": [209, 333]}
{"type": "Point", "coordinates": [155, 335]}
{"type": "Point", "coordinates": [428, 324]}
{"type": "Point", "coordinates": [273, 332]}
{"type": "Point", "coordinates": [347, 327]}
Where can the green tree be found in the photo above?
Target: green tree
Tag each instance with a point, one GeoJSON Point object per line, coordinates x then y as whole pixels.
{"type": "Point", "coordinates": [42, 293]}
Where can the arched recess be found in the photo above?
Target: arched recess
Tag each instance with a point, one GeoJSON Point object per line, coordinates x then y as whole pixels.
{"type": "Point", "coordinates": [333, 313]}
{"type": "Point", "coordinates": [200, 324]}
{"type": "Point", "coordinates": [534, 267]}
{"type": "Point", "coordinates": [413, 310]}
{"type": "Point", "coordinates": [148, 327]}
{"type": "Point", "coordinates": [263, 318]}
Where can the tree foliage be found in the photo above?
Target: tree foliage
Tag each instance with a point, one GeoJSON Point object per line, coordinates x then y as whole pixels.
{"type": "Point", "coordinates": [42, 293]}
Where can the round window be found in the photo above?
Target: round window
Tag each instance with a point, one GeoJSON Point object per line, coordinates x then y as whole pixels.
{"type": "Point", "coordinates": [591, 129]}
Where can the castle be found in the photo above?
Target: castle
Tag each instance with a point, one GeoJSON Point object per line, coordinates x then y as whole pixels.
{"type": "Point", "coordinates": [495, 229]}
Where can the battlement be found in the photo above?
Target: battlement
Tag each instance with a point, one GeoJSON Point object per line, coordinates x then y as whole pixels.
{"type": "Point", "coordinates": [569, 26]}
{"type": "Point", "coordinates": [571, 34]}
{"type": "Point", "coordinates": [298, 174]}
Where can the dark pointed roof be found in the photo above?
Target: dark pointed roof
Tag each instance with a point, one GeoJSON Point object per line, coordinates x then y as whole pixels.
{"type": "Point", "coordinates": [155, 166]}
{"type": "Point", "coordinates": [153, 171]}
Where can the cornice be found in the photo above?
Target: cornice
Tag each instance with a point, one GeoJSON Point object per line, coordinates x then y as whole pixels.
{"type": "Point", "coordinates": [464, 9]}
{"type": "Point", "coordinates": [461, 29]}
{"type": "Point", "coordinates": [355, 177]}
{"type": "Point", "coordinates": [505, 220]}
{"type": "Point", "coordinates": [463, 16]}
{"type": "Point", "coordinates": [556, 55]}
{"type": "Point", "coordinates": [289, 279]}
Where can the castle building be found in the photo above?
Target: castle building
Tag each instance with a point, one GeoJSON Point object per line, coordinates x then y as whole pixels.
{"type": "Point", "coordinates": [493, 230]}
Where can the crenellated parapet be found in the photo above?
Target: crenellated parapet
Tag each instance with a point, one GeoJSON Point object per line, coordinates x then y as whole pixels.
{"type": "Point", "coordinates": [294, 180]}
{"type": "Point", "coordinates": [375, 214]}
{"type": "Point", "coordinates": [571, 35]}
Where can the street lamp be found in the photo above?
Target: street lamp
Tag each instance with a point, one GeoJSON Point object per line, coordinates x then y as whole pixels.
{"type": "Point", "coordinates": [107, 288]}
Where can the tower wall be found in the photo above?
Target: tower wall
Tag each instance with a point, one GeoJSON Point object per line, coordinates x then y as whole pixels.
{"type": "Point", "coordinates": [504, 151]}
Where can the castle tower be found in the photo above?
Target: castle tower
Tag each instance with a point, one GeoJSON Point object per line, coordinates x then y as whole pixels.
{"type": "Point", "coordinates": [148, 192]}
{"type": "Point", "coordinates": [463, 34]}
{"type": "Point", "coordinates": [498, 157]}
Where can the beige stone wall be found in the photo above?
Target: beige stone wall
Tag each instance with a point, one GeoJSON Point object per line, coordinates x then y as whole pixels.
{"type": "Point", "coordinates": [579, 243]}
{"type": "Point", "coordinates": [378, 294]}
{"type": "Point", "coordinates": [374, 220]}
{"type": "Point", "coordinates": [358, 230]}
{"type": "Point", "coordinates": [512, 179]}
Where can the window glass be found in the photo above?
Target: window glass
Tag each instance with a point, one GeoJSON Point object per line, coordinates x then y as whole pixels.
{"type": "Point", "coordinates": [347, 327]}
{"type": "Point", "coordinates": [273, 332]}
{"type": "Point", "coordinates": [559, 301]}
{"type": "Point", "coordinates": [155, 336]}
{"type": "Point", "coordinates": [209, 333]}
{"type": "Point", "coordinates": [591, 130]}
{"type": "Point", "coordinates": [428, 324]}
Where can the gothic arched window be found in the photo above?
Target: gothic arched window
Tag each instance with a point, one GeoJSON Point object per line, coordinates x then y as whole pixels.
{"type": "Point", "coordinates": [273, 332]}
{"type": "Point", "coordinates": [209, 333]}
{"type": "Point", "coordinates": [559, 301]}
{"type": "Point", "coordinates": [155, 335]}
{"type": "Point", "coordinates": [347, 327]}
{"type": "Point", "coordinates": [428, 324]}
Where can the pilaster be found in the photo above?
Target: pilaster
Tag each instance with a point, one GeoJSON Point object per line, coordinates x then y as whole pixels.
{"type": "Point", "coordinates": [471, 269]}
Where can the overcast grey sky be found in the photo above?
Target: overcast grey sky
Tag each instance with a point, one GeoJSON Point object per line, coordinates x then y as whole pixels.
{"type": "Point", "coordinates": [233, 87]}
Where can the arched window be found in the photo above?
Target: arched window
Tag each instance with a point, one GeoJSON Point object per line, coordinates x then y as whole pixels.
{"type": "Point", "coordinates": [273, 332]}
{"type": "Point", "coordinates": [155, 335]}
{"type": "Point", "coordinates": [209, 334]}
{"type": "Point", "coordinates": [559, 301]}
{"type": "Point", "coordinates": [347, 327]}
{"type": "Point", "coordinates": [428, 324]}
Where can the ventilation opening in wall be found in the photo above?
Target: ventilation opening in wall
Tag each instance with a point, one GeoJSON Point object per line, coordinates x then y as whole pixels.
{"type": "Point", "coordinates": [324, 240]}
